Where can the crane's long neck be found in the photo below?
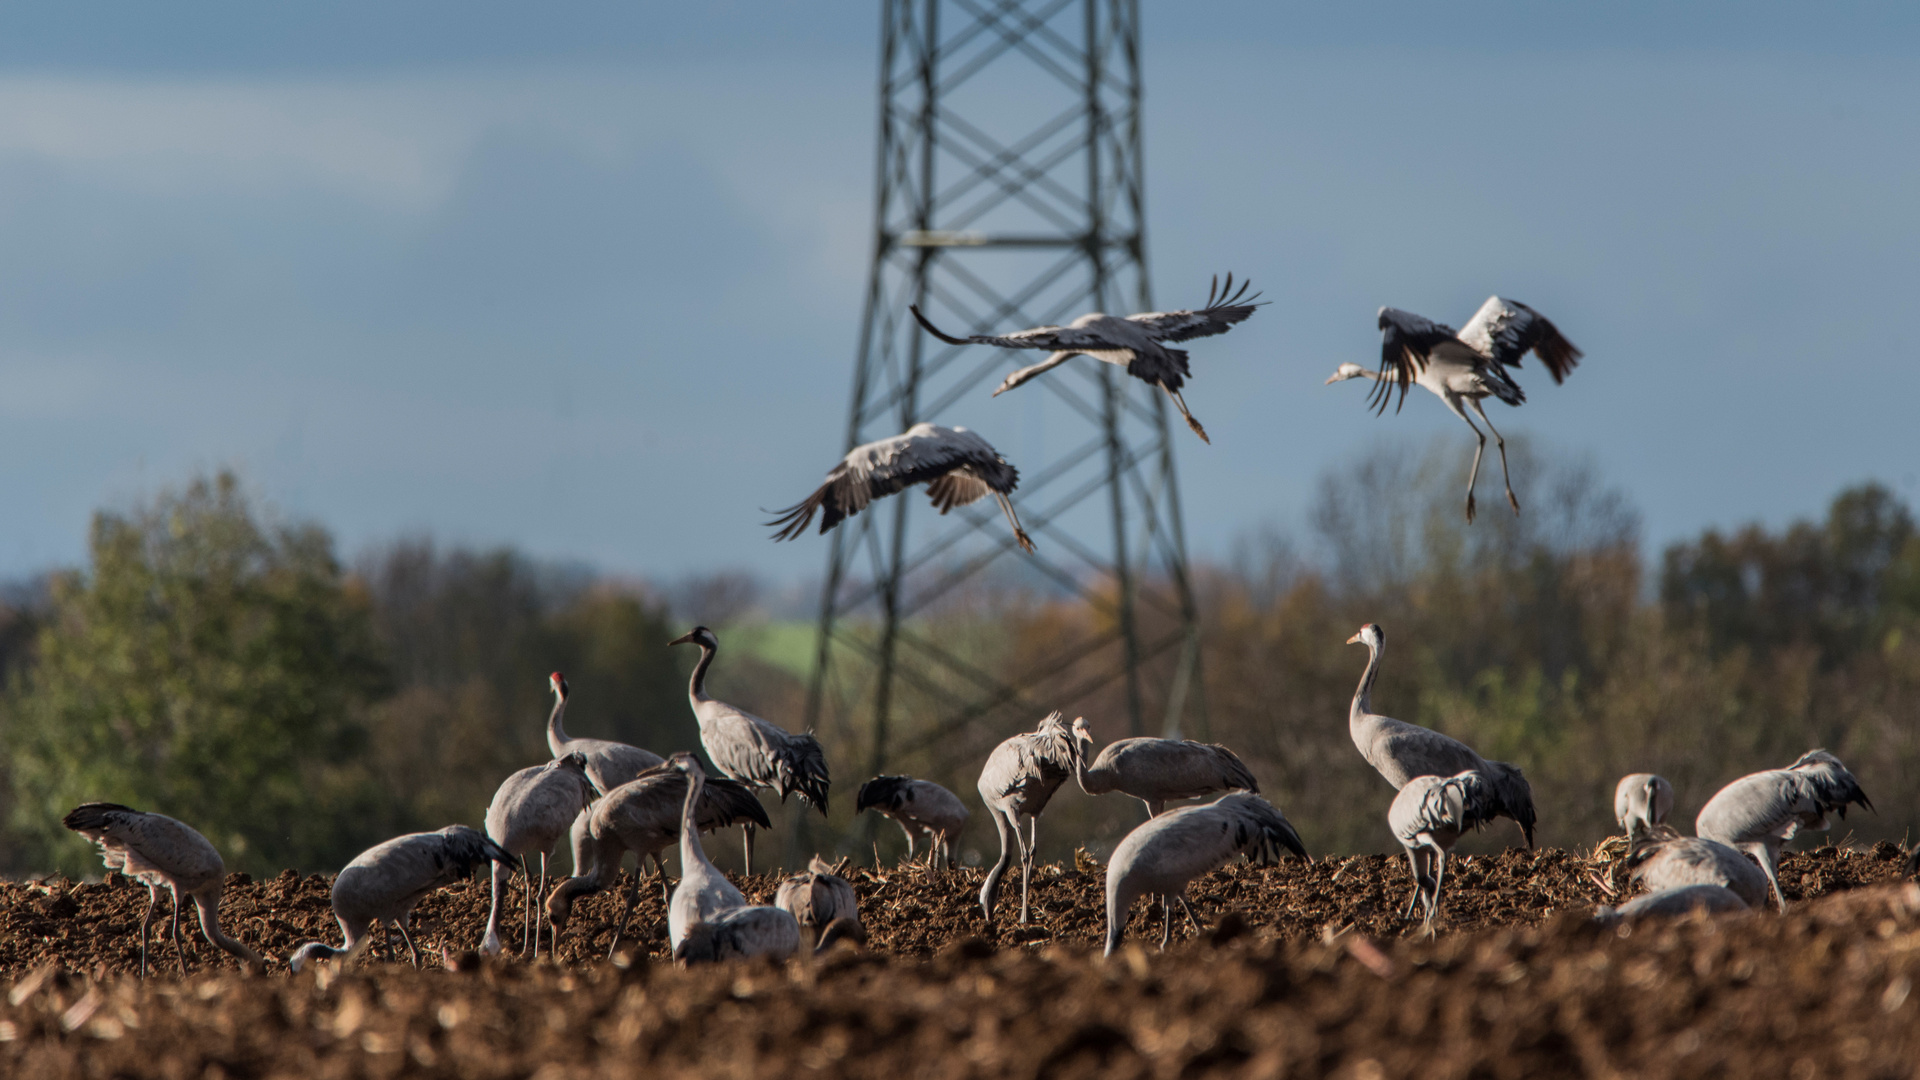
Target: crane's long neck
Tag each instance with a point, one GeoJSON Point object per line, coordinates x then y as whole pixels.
{"type": "Point", "coordinates": [692, 853]}
{"type": "Point", "coordinates": [697, 689]}
{"type": "Point", "coordinates": [209, 907]}
{"type": "Point", "coordinates": [1363, 696]}
{"type": "Point", "coordinates": [557, 735]}
{"type": "Point", "coordinates": [1098, 782]}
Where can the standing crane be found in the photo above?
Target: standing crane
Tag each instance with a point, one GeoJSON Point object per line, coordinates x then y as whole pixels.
{"type": "Point", "coordinates": [1465, 367]}
{"type": "Point", "coordinates": [384, 883]}
{"type": "Point", "coordinates": [1400, 751]}
{"type": "Point", "coordinates": [707, 918]}
{"type": "Point", "coordinates": [818, 898]}
{"type": "Point", "coordinates": [1428, 817]}
{"type": "Point", "coordinates": [958, 467]}
{"type": "Point", "coordinates": [643, 816]}
{"type": "Point", "coordinates": [1170, 850]}
{"type": "Point", "coordinates": [529, 813]}
{"type": "Point", "coordinates": [1641, 801]}
{"type": "Point", "coordinates": [1664, 860]}
{"type": "Point", "coordinates": [157, 850]}
{"type": "Point", "coordinates": [1156, 771]}
{"type": "Point", "coordinates": [1019, 779]}
{"type": "Point", "coordinates": [1758, 814]}
{"type": "Point", "coordinates": [1135, 343]}
{"type": "Point", "coordinates": [609, 763]}
{"type": "Point", "coordinates": [917, 805]}
{"type": "Point", "coordinates": [750, 750]}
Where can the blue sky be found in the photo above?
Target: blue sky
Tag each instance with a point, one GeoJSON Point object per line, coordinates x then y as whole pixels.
{"type": "Point", "coordinates": [585, 278]}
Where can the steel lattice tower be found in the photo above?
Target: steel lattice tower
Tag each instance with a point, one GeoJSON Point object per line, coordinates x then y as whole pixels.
{"type": "Point", "coordinates": [1009, 195]}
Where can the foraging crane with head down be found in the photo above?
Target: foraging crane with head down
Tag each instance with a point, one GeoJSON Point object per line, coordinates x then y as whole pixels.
{"type": "Point", "coordinates": [1428, 817]}
{"type": "Point", "coordinates": [643, 816]}
{"type": "Point", "coordinates": [750, 750]}
{"type": "Point", "coordinates": [1161, 856]}
{"type": "Point", "coordinates": [1641, 801]}
{"type": "Point", "coordinates": [958, 467]}
{"type": "Point", "coordinates": [1136, 343]}
{"type": "Point", "coordinates": [1018, 781]}
{"type": "Point", "coordinates": [157, 850]}
{"type": "Point", "coordinates": [384, 883]}
{"type": "Point", "coordinates": [530, 812]}
{"type": "Point", "coordinates": [818, 898]}
{"type": "Point", "coordinates": [1663, 861]}
{"type": "Point", "coordinates": [917, 805]}
{"type": "Point", "coordinates": [1759, 813]}
{"type": "Point", "coordinates": [1672, 904]}
{"type": "Point", "coordinates": [1400, 751]}
{"type": "Point", "coordinates": [1157, 771]}
{"type": "Point", "coordinates": [1465, 367]}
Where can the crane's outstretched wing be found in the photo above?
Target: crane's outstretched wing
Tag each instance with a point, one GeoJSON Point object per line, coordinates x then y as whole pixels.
{"type": "Point", "coordinates": [925, 453]}
{"type": "Point", "coordinates": [1506, 330]}
{"type": "Point", "coordinates": [1406, 340]}
{"type": "Point", "coordinates": [1223, 308]}
{"type": "Point", "coordinates": [1050, 338]}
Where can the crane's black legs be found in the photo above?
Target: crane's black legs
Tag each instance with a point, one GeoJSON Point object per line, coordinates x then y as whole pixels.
{"type": "Point", "coordinates": [178, 949]}
{"type": "Point", "coordinates": [626, 909]}
{"type": "Point", "coordinates": [1502, 444]}
{"type": "Point", "coordinates": [153, 901]}
{"type": "Point", "coordinates": [747, 830]}
{"type": "Point", "coordinates": [1473, 474]}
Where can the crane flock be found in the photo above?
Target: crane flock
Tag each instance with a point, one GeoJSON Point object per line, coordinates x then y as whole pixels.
{"type": "Point", "coordinates": [610, 798]}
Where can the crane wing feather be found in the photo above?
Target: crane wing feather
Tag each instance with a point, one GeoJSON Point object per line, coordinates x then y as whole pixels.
{"type": "Point", "coordinates": [1504, 331]}
{"type": "Point", "coordinates": [1406, 340]}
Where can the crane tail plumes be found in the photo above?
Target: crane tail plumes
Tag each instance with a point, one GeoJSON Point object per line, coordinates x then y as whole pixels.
{"type": "Point", "coordinates": [801, 768]}
{"type": "Point", "coordinates": [94, 817]}
{"type": "Point", "coordinates": [1513, 796]}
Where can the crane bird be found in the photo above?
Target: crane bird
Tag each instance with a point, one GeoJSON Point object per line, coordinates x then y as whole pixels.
{"type": "Point", "coordinates": [1672, 903]}
{"type": "Point", "coordinates": [1170, 850]}
{"type": "Point", "coordinates": [917, 806]}
{"type": "Point", "coordinates": [818, 898]}
{"type": "Point", "coordinates": [707, 918]}
{"type": "Point", "coordinates": [643, 816]}
{"type": "Point", "coordinates": [1664, 860]}
{"type": "Point", "coordinates": [384, 883]}
{"type": "Point", "coordinates": [529, 813]}
{"type": "Point", "coordinates": [1428, 817]}
{"type": "Point", "coordinates": [609, 763]}
{"type": "Point", "coordinates": [958, 467]}
{"type": "Point", "coordinates": [1465, 367]}
{"type": "Point", "coordinates": [1760, 813]}
{"type": "Point", "coordinates": [1020, 777]}
{"type": "Point", "coordinates": [1401, 751]}
{"type": "Point", "coordinates": [1156, 771]}
{"type": "Point", "coordinates": [157, 850]}
{"type": "Point", "coordinates": [1135, 343]}
{"type": "Point", "coordinates": [750, 750]}
{"type": "Point", "coordinates": [1641, 801]}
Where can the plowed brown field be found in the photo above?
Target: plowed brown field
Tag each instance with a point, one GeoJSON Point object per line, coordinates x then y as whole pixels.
{"type": "Point", "coordinates": [1308, 972]}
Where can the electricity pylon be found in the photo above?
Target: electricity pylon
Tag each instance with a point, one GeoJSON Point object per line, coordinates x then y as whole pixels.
{"type": "Point", "coordinates": [1009, 195]}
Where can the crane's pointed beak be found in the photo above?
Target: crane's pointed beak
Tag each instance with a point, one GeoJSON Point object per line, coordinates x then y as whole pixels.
{"type": "Point", "coordinates": [683, 639]}
{"type": "Point", "coordinates": [1354, 640]}
{"type": "Point", "coordinates": [1331, 379]}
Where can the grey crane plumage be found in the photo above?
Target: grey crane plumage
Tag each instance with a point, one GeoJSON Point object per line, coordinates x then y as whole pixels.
{"type": "Point", "coordinates": [704, 891]}
{"type": "Point", "coordinates": [1018, 780]}
{"type": "Point", "coordinates": [1664, 860]}
{"type": "Point", "coordinates": [609, 763]}
{"type": "Point", "coordinates": [958, 467]}
{"type": "Point", "coordinates": [1157, 771]}
{"type": "Point", "coordinates": [1759, 813]}
{"type": "Point", "coordinates": [643, 816]}
{"type": "Point", "coordinates": [384, 883]}
{"type": "Point", "coordinates": [530, 812]}
{"type": "Point", "coordinates": [1465, 367]}
{"type": "Point", "coordinates": [157, 850]}
{"type": "Point", "coordinates": [1136, 342]}
{"type": "Point", "coordinates": [1428, 817]}
{"type": "Point", "coordinates": [1673, 903]}
{"type": "Point", "coordinates": [817, 898]}
{"type": "Point", "coordinates": [753, 751]}
{"type": "Point", "coordinates": [917, 806]}
{"type": "Point", "coordinates": [1641, 801]}
{"type": "Point", "coordinates": [1400, 751]}
{"type": "Point", "coordinates": [740, 934]}
{"type": "Point", "coordinates": [1161, 856]}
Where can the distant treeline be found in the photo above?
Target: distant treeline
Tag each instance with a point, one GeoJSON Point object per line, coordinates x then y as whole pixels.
{"type": "Point", "coordinates": [228, 669]}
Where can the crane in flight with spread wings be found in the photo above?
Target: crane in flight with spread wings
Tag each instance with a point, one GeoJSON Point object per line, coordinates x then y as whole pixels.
{"type": "Point", "coordinates": [958, 466]}
{"type": "Point", "coordinates": [1135, 342]}
{"type": "Point", "coordinates": [1465, 366]}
